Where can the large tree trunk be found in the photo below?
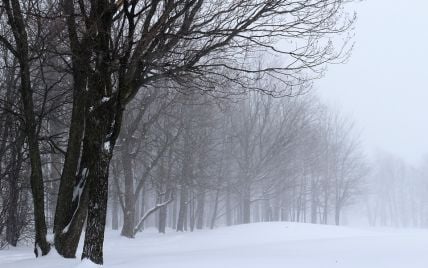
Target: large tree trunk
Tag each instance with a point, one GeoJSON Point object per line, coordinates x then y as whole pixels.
{"type": "Point", "coordinates": [12, 232]}
{"type": "Point", "coordinates": [101, 132]}
{"type": "Point", "coordinates": [67, 238]}
{"type": "Point", "coordinates": [12, 224]}
{"type": "Point", "coordinates": [100, 137]}
{"type": "Point", "coordinates": [97, 208]}
{"type": "Point", "coordinates": [16, 21]}
{"type": "Point", "coordinates": [68, 205]}
{"type": "Point", "coordinates": [71, 206]}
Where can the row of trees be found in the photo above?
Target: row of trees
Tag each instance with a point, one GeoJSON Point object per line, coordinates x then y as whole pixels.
{"type": "Point", "coordinates": [397, 193]}
{"type": "Point", "coordinates": [256, 158]}
{"type": "Point", "coordinates": [193, 161]}
{"type": "Point", "coordinates": [70, 70]}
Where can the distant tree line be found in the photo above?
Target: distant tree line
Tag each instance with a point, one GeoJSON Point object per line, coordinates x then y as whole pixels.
{"type": "Point", "coordinates": [397, 192]}
{"type": "Point", "coordinates": [256, 158]}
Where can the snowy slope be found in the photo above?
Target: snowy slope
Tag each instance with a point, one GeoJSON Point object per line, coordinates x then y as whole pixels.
{"type": "Point", "coordinates": [254, 245]}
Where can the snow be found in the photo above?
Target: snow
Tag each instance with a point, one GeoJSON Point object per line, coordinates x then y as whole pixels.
{"type": "Point", "coordinates": [85, 263]}
{"type": "Point", "coordinates": [254, 245]}
{"type": "Point", "coordinates": [107, 146]}
{"type": "Point", "coordinates": [77, 191]}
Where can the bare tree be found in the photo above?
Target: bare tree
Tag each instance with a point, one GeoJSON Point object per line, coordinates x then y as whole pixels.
{"type": "Point", "coordinates": [111, 50]}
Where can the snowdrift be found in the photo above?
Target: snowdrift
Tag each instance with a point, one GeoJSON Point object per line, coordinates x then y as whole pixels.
{"type": "Point", "coordinates": [258, 245]}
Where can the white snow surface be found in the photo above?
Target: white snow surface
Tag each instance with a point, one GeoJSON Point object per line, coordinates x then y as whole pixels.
{"type": "Point", "coordinates": [258, 245]}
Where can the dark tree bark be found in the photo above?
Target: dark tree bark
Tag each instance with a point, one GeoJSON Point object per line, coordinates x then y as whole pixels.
{"type": "Point", "coordinates": [71, 209]}
{"type": "Point", "coordinates": [101, 132]}
{"type": "Point", "coordinates": [17, 24]}
{"type": "Point", "coordinates": [109, 65]}
{"type": "Point", "coordinates": [12, 231]}
{"type": "Point", "coordinates": [13, 225]}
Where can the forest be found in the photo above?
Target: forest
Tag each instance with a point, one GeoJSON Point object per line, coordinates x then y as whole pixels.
{"type": "Point", "coordinates": [182, 115]}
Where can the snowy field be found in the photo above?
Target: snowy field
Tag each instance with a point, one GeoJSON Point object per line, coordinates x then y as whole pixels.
{"type": "Point", "coordinates": [293, 245]}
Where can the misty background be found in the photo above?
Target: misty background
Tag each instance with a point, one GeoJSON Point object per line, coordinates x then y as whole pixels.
{"type": "Point", "coordinates": [383, 86]}
{"type": "Point", "coordinates": [129, 123]}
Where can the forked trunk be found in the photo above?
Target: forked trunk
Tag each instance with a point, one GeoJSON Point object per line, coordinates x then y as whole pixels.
{"type": "Point", "coordinates": [100, 137]}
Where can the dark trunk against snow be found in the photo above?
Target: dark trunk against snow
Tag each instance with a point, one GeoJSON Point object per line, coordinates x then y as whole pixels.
{"type": "Point", "coordinates": [67, 238]}
{"type": "Point", "coordinates": [71, 206]}
{"type": "Point", "coordinates": [98, 188]}
{"type": "Point", "coordinates": [12, 222]}
{"type": "Point", "coordinates": [16, 21]}
{"type": "Point", "coordinates": [12, 232]}
{"type": "Point", "coordinates": [101, 132]}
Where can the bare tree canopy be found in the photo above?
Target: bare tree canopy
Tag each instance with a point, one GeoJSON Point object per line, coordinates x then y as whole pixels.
{"type": "Point", "coordinates": [84, 77]}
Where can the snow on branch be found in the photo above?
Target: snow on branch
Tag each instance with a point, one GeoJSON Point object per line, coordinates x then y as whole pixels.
{"type": "Point", "coordinates": [150, 212]}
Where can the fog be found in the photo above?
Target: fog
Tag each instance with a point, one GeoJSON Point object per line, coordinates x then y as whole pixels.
{"type": "Point", "coordinates": [235, 133]}
{"type": "Point", "coordinates": [383, 85]}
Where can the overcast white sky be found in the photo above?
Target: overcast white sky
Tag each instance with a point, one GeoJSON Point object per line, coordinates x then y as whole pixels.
{"type": "Point", "coordinates": [384, 86]}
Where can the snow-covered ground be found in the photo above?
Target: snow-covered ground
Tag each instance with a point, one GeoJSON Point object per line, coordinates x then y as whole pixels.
{"type": "Point", "coordinates": [258, 245]}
